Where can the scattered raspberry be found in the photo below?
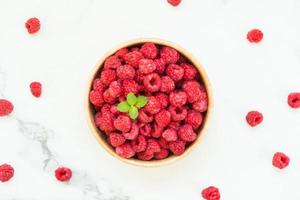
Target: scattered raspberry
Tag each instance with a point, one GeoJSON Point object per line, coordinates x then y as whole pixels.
{"type": "Point", "coordinates": [152, 82]}
{"type": "Point", "coordinates": [178, 98]}
{"type": "Point", "coordinates": [163, 118]}
{"type": "Point", "coordinates": [112, 62]}
{"type": "Point", "coordinates": [123, 123]}
{"type": "Point", "coordinates": [160, 65]}
{"type": "Point", "coordinates": [177, 147]}
{"type": "Point", "coordinates": [190, 71]}
{"type": "Point", "coordinates": [116, 139]}
{"type": "Point", "coordinates": [125, 150]}
{"type": "Point", "coordinates": [121, 53]}
{"type": "Point", "coordinates": [193, 91]}
{"type": "Point", "coordinates": [133, 58]}
{"type": "Point", "coordinates": [33, 25]}
{"type": "Point", "coordinates": [144, 116]}
{"type": "Point", "coordinates": [36, 89]}
{"type": "Point", "coordinates": [130, 86]}
{"type": "Point", "coordinates": [163, 99]}
{"type": "Point", "coordinates": [201, 105]}
{"type": "Point", "coordinates": [149, 50]}
{"type": "Point", "coordinates": [174, 2]}
{"type": "Point", "coordinates": [175, 72]}
{"type": "Point", "coordinates": [255, 36]}
{"type": "Point", "coordinates": [174, 125]}
{"type": "Point", "coordinates": [156, 131]}
{"type": "Point", "coordinates": [6, 172]}
{"type": "Point", "coordinates": [194, 118]}
{"type": "Point", "coordinates": [153, 106]}
{"type": "Point", "coordinates": [186, 133]}
{"type": "Point", "coordinates": [147, 66]}
{"type": "Point", "coordinates": [170, 55]}
{"type": "Point", "coordinates": [6, 107]}
{"type": "Point", "coordinates": [153, 146]}
{"type": "Point", "coordinates": [167, 84]}
{"type": "Point", "coordinates": [96, 98]}
{"type": "Point", "coordinates": [125, 72]}
{"type": "Point", "coordinates": [63, 174]}
{"type": "Point", "coordinates": [294, 100]}
{"type": "Point", "coordinates": [164, 153]}
{"type": "Point", "coordinates": [145, 129]}
{"type": "Point", "coordinates": [211, 193]}
{"type": "Point", "coordinates": [108, 97]}
{"type": "Point", "coordinates": [145, 155]}
{"type": "Point", "coordinates": [139, 144]}
{"type": "Point", "coordinates": [169, 135]}
{"type": "Point", "coordinates": [133, 133]}
{"type": "Point", "coordinates": [98, 85]}
{"type": "Point", "coordinates": [280, 160]}
{"type": "Point", "coordinates": [108, 76]}
{"type": "Point", "coordinates": [178, 113]}
{"type": "Point", "coordinates": [254, 118]}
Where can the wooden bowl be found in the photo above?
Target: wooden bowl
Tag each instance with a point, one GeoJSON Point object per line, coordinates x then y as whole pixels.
{"type": "Point", "coordinates": [100, 137]}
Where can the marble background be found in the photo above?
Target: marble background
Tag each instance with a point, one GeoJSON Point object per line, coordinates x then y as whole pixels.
{"type": "Point", "coordinates": [44, 133]}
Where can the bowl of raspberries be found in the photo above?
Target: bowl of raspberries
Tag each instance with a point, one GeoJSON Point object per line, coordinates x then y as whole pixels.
{"type": "Point", "coordinates": [148, 102]}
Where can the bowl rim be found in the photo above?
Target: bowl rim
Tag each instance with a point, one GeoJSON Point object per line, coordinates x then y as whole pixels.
{"type": "Point", "coordinates": [96, 132]}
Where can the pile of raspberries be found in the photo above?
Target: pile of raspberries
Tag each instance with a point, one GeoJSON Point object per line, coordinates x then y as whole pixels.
{"type": "Point", "coordinates": [176, 101]}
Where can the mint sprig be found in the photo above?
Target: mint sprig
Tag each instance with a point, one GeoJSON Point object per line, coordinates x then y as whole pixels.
{"type": "Point", "coordinates": [132, 105]}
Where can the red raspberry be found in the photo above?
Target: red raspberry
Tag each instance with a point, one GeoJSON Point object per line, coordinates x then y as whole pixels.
{"type": "Point", "coordinates": [193, 91]}
{"type": "Point", "coordinates": [149, 50]}
{"type": "Point", "coordinates": [152, 82]}
{"type": "Point", "coordinates": [255, 35]}
{"type": "Point", "coordinates": [123, 123]}
{"type": "Point", "coordinates": [177, 147]}
{"type": "Point", "coordinates": [167, 84]}
{"type": "Point", "coordinates": [116, 139]}
{"type": "Point", "coordinates": [153, 146]}
{"type": "Point", "coordinates": [190, 71]}
{"type": "Point", "coordinates": [156, 131]}
{"type": "Point", "coordinates": [36, 89]}
{"type": "Point", "coordinates": [6, 107]}
{"type": "Point", "coordinates": [163, 118]}
{"type": "Point", "coordinates": [201, 105]}
{"type": "Point", "coordinates": [114, 110]}
{"type": "Point", "coordinates": [63, 174]}
{"type": "Point", "coordinates": [194, 118]}
{"type": "Point", "coordinates": [125, 150]}
{"type": "Point", "coordinates": [130, 86]}
{"type": "Point", "coordinates": [144, 116]}
{"type": "Point", "coordinates": [169, 135]}
{"type": "Point", "coordinates": [182, 59]}
{"type": "Point", "coordinates": [254, 118]}
{"type": "Point", "coordinates": [125, 72]}
{"type": "Point", "coordinates": [160, 65]}
{"type": "Point", "coordinates": [134, 49]}
{"type": "Point", "coordinates": [169, 55]}
{"type": "Point", "coordinates": [6, 172]}
{"type": "Point", "coordinates": [108, 97]}
{"type": "Point", "coordinates": [280, 160]}
{"type": "Point", "coordinates": [178, 98]}
{"type": "Point", "coordinates": [178, 113]}
{"type": "Point", "coordinates": [139, 144]}
{"type": "Point", "coordinates": [115, 89]}
{"type": "Point", "coordinates": [121, 53]}
{"type": "Point", "coordinates": [211, 193]}
{"type": "Point", "coordinates": [153, 106]}
{"type": "Point", "coordinates": [145, 129]}
{"type": "Point", "coordinates": [104, 122]}
{"type": "Point", "coordinates": [145, 155]}
{"type": "Point", "coordinates": [163, 99]}
{"type": "Point", "coordinates": [294, 100]}
{"type": "Point", "coordinates": [98, 85]}
{"type": "Point", "coordinates": [112, 62]}
{"type": "Point", "coordinates": [174, 2]}
{"type": "Point", "coordinates": [186, 133]}
{"type": "Point", "coordinates": [33, 25]}
{"type": "Point", "coordinates": [174, 125]}
{"type": "Point", "coordinates": [164, 153]}
{"type": "Point", "coordinates": [133, 58]}
{"type": "Point", "coordinates": [139, 77]}
{"type": "Point", "coordinates": [108, 76]}
{"type": "Point", "coordinates": [96, 98]}
{"type": "Point", "coordinates": [105, 109]}
{"type": "Point", "coordinates": [133, 133]}
{"type": "Point", "coordinates": [175, 72]}
{"type": "Point", "coordinates": [163, 143]}
{"type": "Point", "coordinates": [147, 66]}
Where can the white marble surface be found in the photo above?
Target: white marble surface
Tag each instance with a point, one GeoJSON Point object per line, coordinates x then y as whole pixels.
{"type": "Point", "coordinates": [44, 133]}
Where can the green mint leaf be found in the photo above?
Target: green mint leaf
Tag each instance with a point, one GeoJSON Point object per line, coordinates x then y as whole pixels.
{"type": "Point", "coordinates": [141, 101]}
{"type": "Point", "coordinates": [123, 107]}
{"type": "Point", "coordinates": [133, 112]}
{"type": "Point", "coordinates": [131, 99]}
